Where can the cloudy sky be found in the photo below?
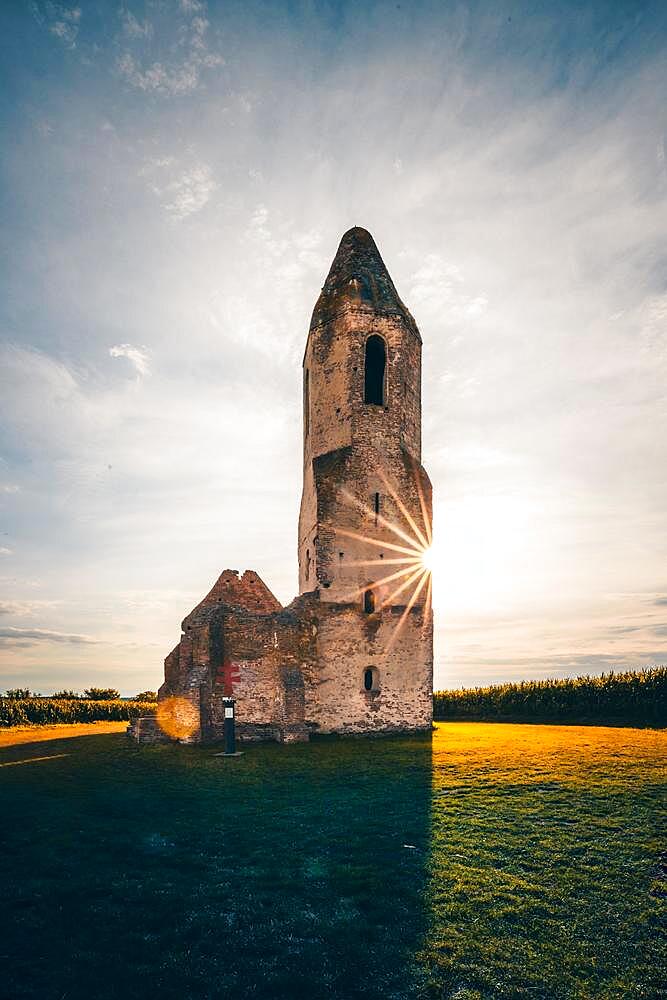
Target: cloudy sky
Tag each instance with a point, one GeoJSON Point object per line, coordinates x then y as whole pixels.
{"type": "Point", "coordinates": [176, 177]}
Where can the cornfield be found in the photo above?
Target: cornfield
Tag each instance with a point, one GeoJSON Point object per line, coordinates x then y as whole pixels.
{"type": "Point", "coordinates": [637, 697]}
{"type": "Point", "coordinates": [634, 697]}
{"type": "Point", "coordinates": [46, 711]}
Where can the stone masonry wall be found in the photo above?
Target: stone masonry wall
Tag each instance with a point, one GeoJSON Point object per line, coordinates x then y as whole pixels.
{"type": "Point", "coordinates": [339, 418]}
{"type": "Point", "coordinates": [348, 644]}
{"type": "Point", "coordinates": [262, 659]}
{"type": "Point", "coordinates": [355, 455]}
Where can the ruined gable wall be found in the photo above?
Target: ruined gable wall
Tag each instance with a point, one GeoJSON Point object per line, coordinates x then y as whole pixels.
{"type": "Point", "coordinates": [248, 652]}
{"type": "Point", "coordinates": [247, 591]}
{"type": "Point", "coordinates": [270, 654]}
{"type": "Point", "coordinates": [186, 669]}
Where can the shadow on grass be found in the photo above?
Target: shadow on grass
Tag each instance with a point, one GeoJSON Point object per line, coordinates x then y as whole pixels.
{"type": "Point", "coordinates": [291, 871]}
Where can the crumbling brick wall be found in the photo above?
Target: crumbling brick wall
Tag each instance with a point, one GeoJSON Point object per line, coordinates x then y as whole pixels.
{"type": "Point", "coordinates": [252, 650]}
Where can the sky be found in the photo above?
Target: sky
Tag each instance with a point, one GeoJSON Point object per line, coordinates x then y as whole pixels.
{"type": "Point", "coordinates": [175, 179]}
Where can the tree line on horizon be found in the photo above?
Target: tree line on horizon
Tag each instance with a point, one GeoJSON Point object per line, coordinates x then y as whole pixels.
{"type": "Point", "coordinates": [632, 697]}
{"type": "Point", "coordinates": [90, 694]}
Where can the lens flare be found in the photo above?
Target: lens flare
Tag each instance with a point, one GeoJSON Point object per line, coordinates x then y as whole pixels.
{"type": "Point", "coordinates": [177, 717]}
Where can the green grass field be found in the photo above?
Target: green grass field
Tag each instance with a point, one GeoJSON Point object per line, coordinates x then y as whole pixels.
{"type": "Point", "coordinates": [490, 861]}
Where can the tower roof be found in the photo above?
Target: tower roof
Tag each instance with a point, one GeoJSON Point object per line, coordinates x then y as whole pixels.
{"type": "Point", "coordinates": [358, 276]}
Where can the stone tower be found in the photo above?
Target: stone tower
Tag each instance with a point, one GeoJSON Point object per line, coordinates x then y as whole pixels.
{"type": "Point", "coordinates": [353, 652]}
{"type": "Point", "coordinates": [366, 501]}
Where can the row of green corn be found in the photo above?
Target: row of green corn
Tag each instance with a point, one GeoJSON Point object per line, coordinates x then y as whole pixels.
{"type": "Point", "coordinates": [637, 696]}
{"type": "Point", "coordinates": [46, 711]}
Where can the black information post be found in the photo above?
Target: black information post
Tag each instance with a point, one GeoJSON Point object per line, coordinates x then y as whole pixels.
{"type": "Point", "coordinates": [230, 726]}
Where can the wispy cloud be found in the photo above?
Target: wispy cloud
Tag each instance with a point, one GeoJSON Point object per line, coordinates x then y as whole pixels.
{"type": "Point", "coordinates": [61, 21]}
{"type": "Point", "coordinates": [27, 608]}
{"type": "Point", "coordinates": [134, 28]}
{"type": "Point", "coordinates": [182, 190]}
{"type": "Point", "coordinates": [654, 329]}
{"type": "Point", "coordinates": [137, 356]}
{"type": "Point", "coordinates": [13, 635]}
{"type": "Point", "coordinates": [295, 252]}
{"type": "Point", "coordinates": [437, 290]}
{"type": "Point", "coordinates": [184, 39]}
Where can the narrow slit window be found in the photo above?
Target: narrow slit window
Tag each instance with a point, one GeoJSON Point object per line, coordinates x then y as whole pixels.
{"type": "Point", "coordinates": [369, 602]}
{"type": "Point", "coordinates": [376, 504]}
{"type": "Point", "coordinates": [306, 402]}
{"type": "Point", "coordinates": [368, 679]}
{"type": "Point", "coordinates": [374, 370]}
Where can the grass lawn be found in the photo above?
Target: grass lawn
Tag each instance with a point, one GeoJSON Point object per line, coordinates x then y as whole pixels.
{"type": "Point", "coordinates": [61, 731]}
{"type": "Point", "coordinates": [492, 861]}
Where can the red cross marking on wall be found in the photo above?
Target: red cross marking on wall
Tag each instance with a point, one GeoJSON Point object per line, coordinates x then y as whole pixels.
{"type": "Point", "coordinates": [227, 675]}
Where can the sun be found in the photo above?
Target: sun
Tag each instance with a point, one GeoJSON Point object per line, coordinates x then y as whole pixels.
{"type": "Point", "coordinates": [427, 557]}
{"type": "Point", "coordinates": [411, 550]}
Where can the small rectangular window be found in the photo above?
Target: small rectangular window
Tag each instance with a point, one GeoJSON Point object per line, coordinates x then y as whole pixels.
{"type": "Point", "coordinates": [374, 370]}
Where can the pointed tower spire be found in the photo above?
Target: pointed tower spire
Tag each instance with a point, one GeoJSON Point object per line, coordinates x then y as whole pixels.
{"type": "Point", "coordinates": [358, 277]}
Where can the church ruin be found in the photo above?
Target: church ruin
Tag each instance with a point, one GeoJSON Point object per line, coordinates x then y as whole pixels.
{"type": "Point", "coordinates": [353, 653]}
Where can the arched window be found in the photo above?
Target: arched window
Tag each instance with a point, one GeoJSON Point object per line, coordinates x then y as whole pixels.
{"type": "Point", "coordinates": [374, 366]}
{"type": "Point", "coordinates": [371, 680]}
{"type": "Point", "coordinates": [369, 601]}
